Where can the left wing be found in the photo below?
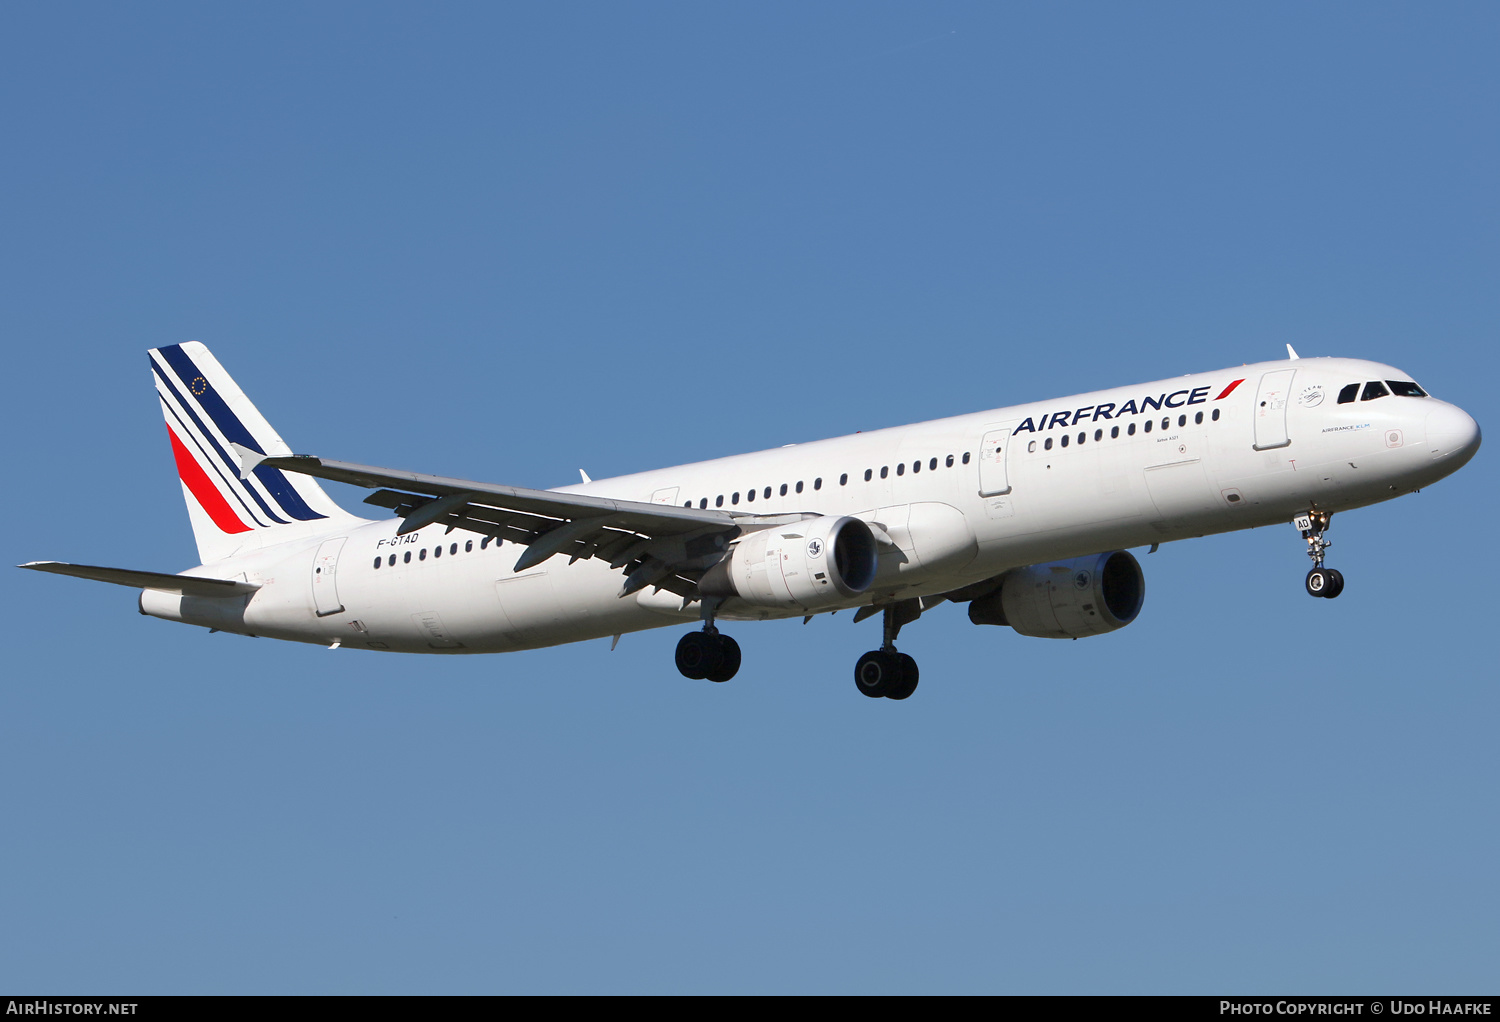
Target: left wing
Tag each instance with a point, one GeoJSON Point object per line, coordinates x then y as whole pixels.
{"type": "Point", "coordinates": [186, 585]}
{"type": "Point", "coordinates": [657, 544]}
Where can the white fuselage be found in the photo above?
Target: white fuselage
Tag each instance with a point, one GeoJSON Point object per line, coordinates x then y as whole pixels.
{"type": "Point", "coordinates": [964, 499]}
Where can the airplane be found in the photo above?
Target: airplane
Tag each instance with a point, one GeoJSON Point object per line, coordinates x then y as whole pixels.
{"type": "Point", "coordinates": [1026, 514]}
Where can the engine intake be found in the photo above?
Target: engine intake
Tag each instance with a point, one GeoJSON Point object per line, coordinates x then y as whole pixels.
{"type": "Point", "coordinates": [1067, 599]}
{"type": "Point", "coordinates": [820, 562]}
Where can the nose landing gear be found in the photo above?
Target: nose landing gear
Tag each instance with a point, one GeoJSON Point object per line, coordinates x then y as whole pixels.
{"type": "Point", "coordinates": [885, 672]}
{"type": "Point", "coordinates": [1321, 581]}
{"type": "Point", "coordinates": [708, 654]}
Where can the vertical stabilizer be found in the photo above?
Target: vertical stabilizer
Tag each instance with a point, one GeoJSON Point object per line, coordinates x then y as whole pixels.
{"type": "Point", "coordinates": [207, 414]}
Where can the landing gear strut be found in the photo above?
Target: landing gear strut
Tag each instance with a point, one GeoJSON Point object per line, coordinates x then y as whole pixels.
{"type": "Point", "coordinates": [1321, 581]}
{"type": "Point", "coordinates": [708, 654]}
{"type": "Point", "coordinates": [885, 672]}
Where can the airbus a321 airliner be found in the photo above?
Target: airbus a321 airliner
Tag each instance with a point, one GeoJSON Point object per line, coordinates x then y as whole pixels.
{"type": "Point", "coordinates": [1023, 513]}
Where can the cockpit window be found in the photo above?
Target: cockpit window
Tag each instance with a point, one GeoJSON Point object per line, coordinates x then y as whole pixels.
{"type": "Point", "coordinates": [1405, 388]}
{"type": "Point", "coordinates": [1349, 393]}
{"type": "Point", "coordinates": [1374, 389]}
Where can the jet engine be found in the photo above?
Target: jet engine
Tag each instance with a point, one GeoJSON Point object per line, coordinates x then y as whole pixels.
{"type": "Point", "coordinates": [1066, 599]}
{"type": "Point", "coordinates": [812, 564]}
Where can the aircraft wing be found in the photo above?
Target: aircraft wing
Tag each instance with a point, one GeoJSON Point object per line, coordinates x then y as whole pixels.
{"type": "Point", "coordinates": [187, 585]}
{"type": "Point", "coordinates": [657, 544]}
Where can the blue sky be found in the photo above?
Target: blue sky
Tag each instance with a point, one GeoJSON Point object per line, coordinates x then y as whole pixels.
{"type": "Point", "coordinates": [506, 242]}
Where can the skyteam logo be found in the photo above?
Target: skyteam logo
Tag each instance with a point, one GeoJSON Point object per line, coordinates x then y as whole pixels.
{"type": "Point", "coordinates": [1110, 410]}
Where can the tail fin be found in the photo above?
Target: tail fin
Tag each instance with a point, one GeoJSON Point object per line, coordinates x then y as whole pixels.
{"type": "Point", "coordinates": [206, 415]}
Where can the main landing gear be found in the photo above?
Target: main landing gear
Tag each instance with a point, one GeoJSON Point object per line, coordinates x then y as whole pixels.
{"type": "Point", "coordinates": [708, 654]}
{"type": "Point", "coordinates": [1321, 581]}
{"type": "Point", "coordinates": [884, 672]}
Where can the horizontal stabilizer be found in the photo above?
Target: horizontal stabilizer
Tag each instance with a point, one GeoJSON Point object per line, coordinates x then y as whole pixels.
{"type": "Point", "coordinates": [187, 585]}
{"type": "Point", "coordinates": [249, 460]}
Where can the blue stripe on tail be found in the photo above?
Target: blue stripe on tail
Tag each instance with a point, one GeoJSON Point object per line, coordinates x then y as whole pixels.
{"type": "Point", "coordinates": [225, 461]}
{"type": "Point", "coordinates": [233, 429]}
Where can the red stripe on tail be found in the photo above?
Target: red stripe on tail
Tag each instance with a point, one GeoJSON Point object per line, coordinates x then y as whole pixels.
{"type": "Point", "coordinates": [203, 489]}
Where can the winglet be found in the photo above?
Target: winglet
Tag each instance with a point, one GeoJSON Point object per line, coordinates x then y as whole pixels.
{"type": "Point", "coordinates": [249, 460]}
{"type": "Point", "coordinates": [1291, 353]}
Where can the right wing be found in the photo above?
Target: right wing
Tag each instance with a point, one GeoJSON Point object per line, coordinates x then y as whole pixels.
{"type": "Point", "coordinates": [657, 544]}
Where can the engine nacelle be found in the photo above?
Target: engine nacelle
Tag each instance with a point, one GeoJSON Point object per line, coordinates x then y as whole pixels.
{"type": "Point", "coordinates": [816, 563]}
{"type": "Point", "coordinates": [1067, 599]}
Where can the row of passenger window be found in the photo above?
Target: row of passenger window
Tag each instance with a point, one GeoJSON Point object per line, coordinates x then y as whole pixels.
{"type": "Point", "coordinates": [885, 471]}
{"type": "Point", "coordinates": [437, 551]}
{"type": "Point", "coordinates": [1114, 431]}
{"type": "Point", "coordinates": [1374, 389]}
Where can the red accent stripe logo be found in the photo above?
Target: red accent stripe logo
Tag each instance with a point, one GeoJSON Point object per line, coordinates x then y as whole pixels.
{"type": "Point", "coordinates": [203, 489]}
{"type": "Point", "coordinates": [1229, 390]}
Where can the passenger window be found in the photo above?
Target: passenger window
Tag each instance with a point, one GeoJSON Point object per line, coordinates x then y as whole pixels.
{"type": "Point", "coordinates": [1373, 389]}
{"type": "Point", "coordinates": [1348, 394]}
{"type": "Point", "coordinates": [1405, 388]}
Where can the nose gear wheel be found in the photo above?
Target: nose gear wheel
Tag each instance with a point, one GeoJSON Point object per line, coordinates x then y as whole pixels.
{"type": "Point", "coordinates": [1320, 581]}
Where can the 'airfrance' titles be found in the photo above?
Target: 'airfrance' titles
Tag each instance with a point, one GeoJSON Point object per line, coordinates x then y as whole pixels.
{"type": "Point", "coordinates": [1093, 413]}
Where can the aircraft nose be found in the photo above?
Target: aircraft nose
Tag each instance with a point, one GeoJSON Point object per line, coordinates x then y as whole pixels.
{"type": "Point", "coordinates": [1452, 433]}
